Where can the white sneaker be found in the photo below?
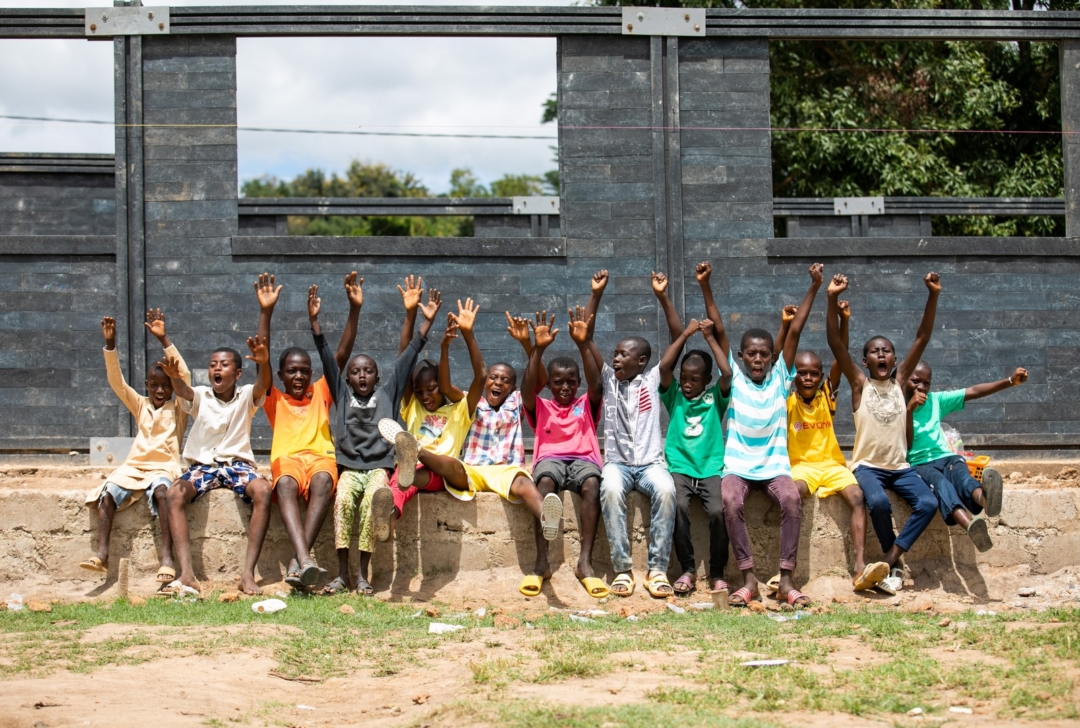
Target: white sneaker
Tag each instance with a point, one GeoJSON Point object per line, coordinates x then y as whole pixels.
{"type": "Point", "coordinates": [406, 450]}
{"type": "Point", "coordinates": [892, 583]}
{"type": "Point", "coordinates": [551, 516]}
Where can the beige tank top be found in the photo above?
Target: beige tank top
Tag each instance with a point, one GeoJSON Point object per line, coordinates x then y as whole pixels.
{"type": "Point", "coordinates": [881, 427]}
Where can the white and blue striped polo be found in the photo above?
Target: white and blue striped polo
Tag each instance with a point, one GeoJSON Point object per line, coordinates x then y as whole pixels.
{"type": "Point", "coordinates": [757, 423]}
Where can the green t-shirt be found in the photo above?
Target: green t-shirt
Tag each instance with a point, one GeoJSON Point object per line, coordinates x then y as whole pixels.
{"type": "Point", "coordinates": [695, 437]}
{"type": "Point", "coordinates": [929, 441]}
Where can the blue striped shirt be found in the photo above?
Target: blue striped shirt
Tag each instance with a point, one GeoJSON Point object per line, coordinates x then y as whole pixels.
{"type": "Point", "coordinates": [757, 423]}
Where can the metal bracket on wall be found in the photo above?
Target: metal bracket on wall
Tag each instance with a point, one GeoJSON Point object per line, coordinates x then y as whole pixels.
{"type": "Point", "coordinates": [535, 205]}
{"type": "Point", "coordinates": [664, 21]}
{"type": "Point", "coordinates": [108, 451]}
{"type": "Point", "coordinates": [107, 22]}
{"type": "Point", "coordinates": [858, 205]}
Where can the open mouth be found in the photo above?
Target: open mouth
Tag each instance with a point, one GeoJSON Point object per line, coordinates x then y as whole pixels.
{"type": "Point", "coordinates": [216, 379]}
{"type": "Point", "coordinates": [496, 393]}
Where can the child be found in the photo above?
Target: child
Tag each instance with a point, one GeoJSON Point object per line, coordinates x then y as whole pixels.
{"type": "Point", "coordinates": [365, 459]}
{"type": "Point", "coordinates": [883, 426]}
{"type": "Point", "coordinates": [302, 461]}
{"type": "Point", "coordinates": [154, 459]}
{"type": "Point", "coordinates": [633, 453]}
{"type": "Point", "coordinates": [960, 496]}
{"type": "Point", "coordinates": [694, 448]}
{"type": "Point", "coordinates": [218, 453]}
{"type": "Point", "coordinates": [493, 457]}
{"type": "Point", "coordinates": [817, 464]}
{"type": "Point", "coordinates": [756, 454]}
{"type": "Point", "coordinates": [566, 451]}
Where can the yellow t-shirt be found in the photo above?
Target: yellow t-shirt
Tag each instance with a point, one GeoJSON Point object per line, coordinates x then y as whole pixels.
{"type": "Point", "coordinates": [300, 425]}
{"type": "Point", "coordinates": [810, 429]}
{"type": "Point", "coordinates": [441, 432]}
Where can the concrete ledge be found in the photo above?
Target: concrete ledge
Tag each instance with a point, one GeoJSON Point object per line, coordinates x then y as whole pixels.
{"type": "Point", "coordinates": [46, 532]}
{"type": "Point", "coordinates": [973, 246]}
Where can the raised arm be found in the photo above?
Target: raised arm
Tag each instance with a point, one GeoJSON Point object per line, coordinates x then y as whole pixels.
{"type": "Point", "coordinates": [326, 356]}
{"type": "Point", "coordinates": [429, 310]}
{"type": "Point", "coordinates": [124, 392]}
{"type": "Point", "coordinates": [840, 351]}
{"type": "Point", "coordinates": [410, 296]}
{"type": "Point", "coordinates": [446, 386]}
{"type": "Point", "coordinates": [545, 334]}
{"type": "Point", "coordinates": [791, 343]}
{"type": "Point", "coordinates": [354, 291]}
{"type": "Point", "coordinates": [466, 319]}
{"type": "Point", "coordinates": [708, 330]}
{"type": "Point", "coordinates": [518, 328]}
{"type": "Point", "coordinates": [155, 324]}
{"type": "Point", "coordinates": [268, 294]}
{"type": "Point", "coordinates": [985, 389]}
{"type": "Point", "coordinates": [926, 329]}
{"type": "Point", "coordinates": [171, 366]}
{"type": "Point", "coordinates": [260, 354]}
{"type": "Point", "coordinates": [659, 286]}
{"type": "Point", "coordinates": [579, 332]}
{"type": "Point", "coordinates": [703, 273]}
{"type": "Point", "coordinates": [671, 354]}
{"type": "Point", "coordinates": [787, 315]}
{"type": "Point", "coordinates": [834, 369]}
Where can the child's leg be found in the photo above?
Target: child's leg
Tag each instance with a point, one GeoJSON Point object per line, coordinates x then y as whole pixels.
{"type": "Point", "coordinates": [909, 486]}
{"type": "Point", "coordinates": [180, 493]}
{"type": "Point", "coordinates": [713, 502]}
{"type": "Point", "coordinates": [952, 511]}
{"type": "Point", "coordinates": [968, 490]}
{"type": "Point", "coordinates": [451, 469]}
{"type": "Point", "coordinates": [259, 492]}
{"type": "Point", "coordinates": [524, 489]}
{"type": "Point", "coordinates": [423, 481]}
{"type": "Point", "coordinates": [288, 494]}
{"type": "Point", "coordinates": [733, 490]}
{"type": "Point", "coordinates": [853, 496]}
{"type": "Point", "coordinates": [350, 490]}
{"type": "Point", "coordinates": [320, 496]}
{"type": "Point", "coordinates": [158, 503]}
{"type": "Point", "coordinates": [362, 585]}
{"type": "Point", "coordinates": [615, 483]}
{"type": "Point", "coordinates": [106, 509]}
{"type": "Point", "coordinates": [782, 491]}
{"type": "Point", "coordinates": [588, 520]}
{"type": "Point", "coordinates": [872, 484]}
{"type": "Point", "coordinates": [655, 482]}
{"type": "Point", "coordinates": [684, 547]}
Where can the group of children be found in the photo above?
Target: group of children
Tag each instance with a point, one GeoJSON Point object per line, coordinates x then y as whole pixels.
{"type": "Point", "coordinates": [367, 445]}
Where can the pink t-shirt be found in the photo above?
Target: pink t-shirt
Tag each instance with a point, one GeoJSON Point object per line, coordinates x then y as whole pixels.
{"type": "Point", "coordinates": [565, 433]}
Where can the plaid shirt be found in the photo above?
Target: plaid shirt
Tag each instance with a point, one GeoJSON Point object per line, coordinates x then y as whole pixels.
{"type": "Point", "coordinates": [495, 435]}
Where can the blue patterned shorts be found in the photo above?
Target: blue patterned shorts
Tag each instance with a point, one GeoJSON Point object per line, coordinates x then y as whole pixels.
{"type": "Point", "coordinates": [235, 475]}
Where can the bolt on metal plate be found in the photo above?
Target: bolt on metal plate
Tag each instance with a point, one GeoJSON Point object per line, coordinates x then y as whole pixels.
{"type": "Point", "coordinates": [107, 22]}
{"type": "Point", "coordinates": [664, 21]}
{"type": "Point", "coordinates": [106, 451]}
{"type": "Point", "coordinates": [858, 205]}
{"type": "Point", "coordinates": [536, 205]}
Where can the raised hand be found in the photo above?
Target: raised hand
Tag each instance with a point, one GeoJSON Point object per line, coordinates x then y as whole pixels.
{"type": "Point", "coordinates": [838, 285]}
{"type": "Point", "coordinates": [933, 282]}
{"type": "Point", "coordinates": [708, 328]}
{"type": "Point", "coordinates": [579, 325]}
{"type": "Point", "coordinates": [434, 303]}
{"type": "Point", "coordinates": [260, 350]}
{"type": "Point", "coordinates": [314, 303]}
{"type": "Point", "coordinates": [171, 366]}
{"type": "Point", "coordinates": [518, 328]}
{"type": "Point", "coordinates": [410, 294]}
{"type": "Point", "coordinates": [917, 400]}
{"type": "Point", "coordinates": [108, 330]}
{"type": "Point", "coordinates": [599, 281]}
{"type": "Point", "coordinates": [817, 272]}
{"type": "Point", "coordinates": [787, 313]}
{"type": "Point", "coordinates": [466, 315]}
{"type": "Point", "coordinates": [354, 290]}
{"type": "Point", "coordinates": [1019, 376]}
{"type": "Point", "coordinates": [845, 309]}
{"type": "Point", "coordinates": [703, 271]}
{"type": "Point", "coordinates": [659, 283]}
{"type": "Point", "coordinates": [155, 323]}
{"type": "Point", "coordinates": [693, 327]}
{"type": "Point", "coordinates": [542, 330]}
{"type": "Point", "coordinates": [451, 332]}
{"type": "Point", "coordinates": [266, 291]}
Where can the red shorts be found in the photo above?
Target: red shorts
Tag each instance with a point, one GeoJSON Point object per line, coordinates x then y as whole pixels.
{"type": "Point", "coordinates": [401, 497]}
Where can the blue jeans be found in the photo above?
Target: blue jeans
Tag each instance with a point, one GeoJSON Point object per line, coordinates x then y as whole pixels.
{"type": "Point", "coordinates": [655, 482]}
{"type": "Point", "coordinates": [951, 481]}
{"type": "Point", "coordinates": [910, 487]}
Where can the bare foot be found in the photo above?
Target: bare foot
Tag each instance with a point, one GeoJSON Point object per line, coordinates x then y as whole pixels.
{"type": "Point", "coordinates": [584, 570]}
{"type": "Point", "coordinates": [190, 581]}
{"type": "Point", "coordinates": [248, 585]}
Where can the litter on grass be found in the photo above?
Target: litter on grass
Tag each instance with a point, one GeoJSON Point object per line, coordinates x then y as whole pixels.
{"type": "Point", "coordinates": [15, 602]}
{"type": "Point", "coordinates": [676, 608]}
{"type": "Point", "coordinates": [576, 618]}
{"type": "Point", "coordinates": [440, 628]}
{"type": "Point", "coordinates": [590, 612]}
{"type": "Point", "coordinates": [701, 605]}
{"type": "Point", "coordinates": [480, 613]}
{"type": "Point", "coordinates": [788, 617]}
{"type": "Point", "coordinates": [961, 710]}
{"type": "Point", "coordinates": [765, 663]}
{"type": "Point", "coordinates": [268, 606]}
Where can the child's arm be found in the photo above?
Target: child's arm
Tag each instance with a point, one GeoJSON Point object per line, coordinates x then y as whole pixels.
{"type": "Point", "coordinates": [598, 284]}
{"type": "Point", "coordinates": [787, 315]}
{"type": "Point", "coordinates": [671, 354]}
{"type": "Point", "coordinates": [518, 328]}
{"type": "Point", "coordinates": [171, 366]}
{"type": "Point", "coordinates": [355, 292]}
{"type": "Point", "coordinates": [155, 324]}
{"type": "Point", "coordinates": [979, 391]}
{"type": "Point", "coordinates": [126, 394]}
{"type": "Point", "coordinates": [659, 287]}
{"type": "Point", "coordinates": [260, 354]}
{"type": "Point", "coordinates": [708, 330]}
{"type": "Point", "coordinates": [917, 400]}
{"type": "Point", "coordinates": [446, 387]}
{"type": "Point", "coordinates": [267, 294]}
{"type": "Point", "coordinates": [326, 357]}
{"type": "Point", "coordinates": [579, 332]}
{"type": "Point", "coordinates": [545, 334]}
{"type": "Point", "coordinates": [836, 342]}
{"type": "Point", "coordinates": [410, 296]}
{"type": "Point", "coordinates": [703, 272]}
{"type": "Point", "coordinates": [834, 369]}
{"type": "Point", "coordinates": [926, 329]}
{"type": "Point", "coordinates": [406, 358]}
{"type": "Point", "coordinates": [465, 319]}
{"type": "Point", "coordinates": [791, 344]}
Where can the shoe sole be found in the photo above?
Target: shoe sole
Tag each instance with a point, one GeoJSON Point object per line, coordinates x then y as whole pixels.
{"type": "Point", "coordinates": [551, 513]}
{"type": "Point", "coordinates": [382, 510]}
{"type": "Point", "coordinates": [407, 449]}
{"type": "Point", "coordinates": [992, 486]}
{"type": "Point", "coordinates": [309, 575]}
{"type": "Point", "coordinates": [980, 535]}
{"type": "Point", "coordinates": [872, 575]}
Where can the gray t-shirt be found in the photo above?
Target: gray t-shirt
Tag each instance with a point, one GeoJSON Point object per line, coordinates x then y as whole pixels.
{"type": "Point", "coordinates": [632, 418]}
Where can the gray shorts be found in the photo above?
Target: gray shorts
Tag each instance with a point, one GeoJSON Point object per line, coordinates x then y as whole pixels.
{"type": "Point", "coordinates": [568, 474]}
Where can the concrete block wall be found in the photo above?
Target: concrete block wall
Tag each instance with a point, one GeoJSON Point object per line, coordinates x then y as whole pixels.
{"type": "Point", "coordinates": [50, 203]}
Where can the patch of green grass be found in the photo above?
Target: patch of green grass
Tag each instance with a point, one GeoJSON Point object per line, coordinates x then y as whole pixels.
{"type": "Point", "coordinates": [515, 713]}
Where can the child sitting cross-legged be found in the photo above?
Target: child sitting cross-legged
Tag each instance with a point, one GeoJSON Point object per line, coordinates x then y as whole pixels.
{"type": "Point", "coordinates": [960, 497]}
{"type": "Point", "coordinates": [493, 457]}
{"type": "Point", "coordinates": [154, 459]}
{"type": "Point", "coordinates": [362, 399]}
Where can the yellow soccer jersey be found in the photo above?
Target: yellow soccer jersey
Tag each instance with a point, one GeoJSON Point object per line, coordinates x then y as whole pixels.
{"type": "Point", "coordinates": [810, 429]}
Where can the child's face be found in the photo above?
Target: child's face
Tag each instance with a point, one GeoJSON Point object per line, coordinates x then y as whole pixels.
{"type": "Point", "coordinates": [295, 376]}
{"type": "Point", "coordinates": [694, 377]}
{"type": "Point", "coordinates": [808, 375]}
{"type": "Point", "coordinates": [564, 384]}
{"type": "Point", "coordinates": [362, 375]}
{"type": "Point", "coordinates": [426, 389]}
{"type": "Point", "coordinates": [880, 359]}
{"type": "Point", "coordinates": [919, 381]}
{"type": "Point", "coordinates": [500, 383]}
{"type": "Point", "coordinates": [223, 371]}
{"type": "Point", "coordinates": [628, 362]}
{"type": "Point", "coordinates": [158, 388]}
{"type": "Point", "coordinates": [757, 358]}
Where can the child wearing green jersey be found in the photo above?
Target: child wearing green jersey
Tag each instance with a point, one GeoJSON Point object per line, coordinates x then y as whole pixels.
{"type": "Point", "coordinates": [960, 497]}
{"type": "Point", "coordinates": [694, 449]}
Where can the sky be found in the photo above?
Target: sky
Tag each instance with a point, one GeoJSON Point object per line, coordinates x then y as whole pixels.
{"type": "Point", "coordinates": [434, 85]}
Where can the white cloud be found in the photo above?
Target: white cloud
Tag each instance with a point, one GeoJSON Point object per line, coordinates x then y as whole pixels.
{"type": "Point", "coordinates": [456, 85]}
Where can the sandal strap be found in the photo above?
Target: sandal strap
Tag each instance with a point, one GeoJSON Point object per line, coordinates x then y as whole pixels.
{"type": "Point", "coordinates": [720, 584]}
{"type": "Point", "coordinates": [745, 594]}
{"type": "Point", "coordinates": [795, 595]}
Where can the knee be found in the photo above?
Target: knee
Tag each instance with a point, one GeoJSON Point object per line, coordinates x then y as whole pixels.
{"type": "Point", "coordinates": [790, 500]}
{"type": "Point", "coordinates": [878, 502]}
{"type": "Point", "coordinates": [733, 504]}
{"type": "Point", "coordinates": [927, 503]}
{"type": "Point", "coordinates": [855, 497]}
{"type": "Point", "coordinates": [175, 497]}
{"type": "Point", "coordinates": [546, 485]}
{"type": "Point", "coordinates": [590, 489]}
{"type": "Point", "coordinates": [259, 492]}
{"type": "Point", "coordinates": [714, 511]}
{"type": "Point", "coordinates": [321, 485]}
